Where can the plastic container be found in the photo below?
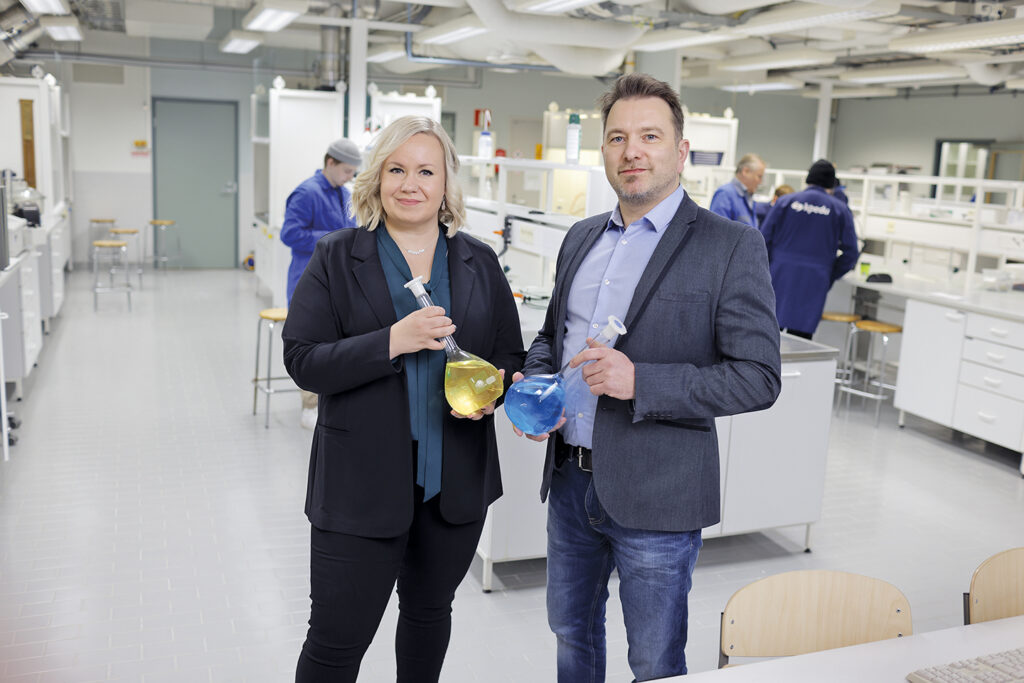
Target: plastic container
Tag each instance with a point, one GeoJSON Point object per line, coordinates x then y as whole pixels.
{"type": "Point", "coordinates": [572, 140]}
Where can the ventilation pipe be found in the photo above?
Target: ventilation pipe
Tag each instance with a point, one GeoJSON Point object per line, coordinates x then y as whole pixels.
{"type": "Point", "coordinates": [329, 72]}
{"type": "Point", "coordinates": [22, 30]}
{"type": "Point", "coordinates": [582, 61]}
{"type": "Point", "coordinates": [554, 30]}
{"type": "Point", "coordinates": [988, 74]}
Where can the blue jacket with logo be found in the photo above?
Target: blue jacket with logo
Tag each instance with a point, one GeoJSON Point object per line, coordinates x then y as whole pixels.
{"type": "Point", "coordinates": [730, 201]}
{"type": "Point", "coordinates": [313, 209]}
{"type": "Point", "coordinates": [803, 232]}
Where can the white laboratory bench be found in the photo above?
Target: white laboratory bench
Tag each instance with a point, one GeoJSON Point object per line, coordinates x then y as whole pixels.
{"type": "Point", "coordinates": [272, 258]}
{"type": "Point", "coordinates": [769, 477]}
{"type": "Point", "coordinates": [961, 360]}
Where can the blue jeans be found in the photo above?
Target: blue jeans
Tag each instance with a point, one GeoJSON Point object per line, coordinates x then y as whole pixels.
{"type": "Point", "coordinates": [655, 569]}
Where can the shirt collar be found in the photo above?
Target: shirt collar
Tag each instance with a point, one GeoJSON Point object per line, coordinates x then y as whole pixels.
{"type": "Point", "coordinates": [657, 218]}
{"type": "Point", "coordinates": [742, 190]}
{"type": "Point", "coordinates": [322, 179]}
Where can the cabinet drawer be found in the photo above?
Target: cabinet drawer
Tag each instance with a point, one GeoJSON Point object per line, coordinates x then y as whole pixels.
{"type": "Point", "coordinates": [987, 416]}
{"type": "Point", "coordinates": [998, 356]}
{"type": "Point", "coordinates": [991, 379]}
{"type": "Point", "coordinates": [995, 329]}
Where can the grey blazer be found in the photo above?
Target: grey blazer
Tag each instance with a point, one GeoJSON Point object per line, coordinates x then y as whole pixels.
{"type": "Point", "coordinates": [704, 340]}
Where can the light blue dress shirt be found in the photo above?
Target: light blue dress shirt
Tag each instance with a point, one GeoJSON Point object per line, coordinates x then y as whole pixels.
{"type": "Point", "coordinates": [603, 286]}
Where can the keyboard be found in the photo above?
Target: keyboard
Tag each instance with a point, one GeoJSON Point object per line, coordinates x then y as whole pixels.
{"type": "Point", "coordinates": [1000, 667]}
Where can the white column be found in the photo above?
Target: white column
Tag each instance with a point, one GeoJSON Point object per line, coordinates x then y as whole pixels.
{"type": "Point", "coordinates": [824, 124]}
{"type": "Point", "coordinates": [357, 41]}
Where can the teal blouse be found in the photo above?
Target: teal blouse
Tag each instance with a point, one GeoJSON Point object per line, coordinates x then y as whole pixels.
{"type": "Point", "coordinates": [424, 370]}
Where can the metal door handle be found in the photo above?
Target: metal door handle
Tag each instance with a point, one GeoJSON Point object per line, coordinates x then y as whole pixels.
{"type": "Point", "coordinates": [230, 187]}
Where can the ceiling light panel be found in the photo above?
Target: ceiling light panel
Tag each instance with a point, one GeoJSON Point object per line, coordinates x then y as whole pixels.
{"type": "Point", "coordinates": [554, 6]}
{"type": "Point", "coordinates": [656, 41]}
{"type": "Point", "coordinates": [451, 31]}
{"type": "Point", "coordinates": [240, 42]}
{"type": "Point", "coordinates": [767, 85]}
{"type": "Point", "coordinates": [273, 15]}
{"type": "Point", "coordinates": [777, 59]}
{"type": "Point", "coordinates": [905, 74]}
{"type": "Point", "coordinates": [965, 37]}
{"type": "Point", "coordinates": [853, 93]}
{"type": "Point", "coordinates": [39, 7]}
{"type": "Point", "coordinates": [61, 28]}
{"type": "Point", "coordinates": [798, 16]}
{"type": "Point", "coordinates": [386, 53]}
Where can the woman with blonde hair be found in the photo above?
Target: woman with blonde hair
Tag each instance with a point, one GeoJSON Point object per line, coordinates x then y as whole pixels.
{"type": "Point", "coordinates": [399, 483]}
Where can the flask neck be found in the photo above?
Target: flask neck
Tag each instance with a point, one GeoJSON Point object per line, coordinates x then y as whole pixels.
{"type": "Point", "coordinates": [452, 349]}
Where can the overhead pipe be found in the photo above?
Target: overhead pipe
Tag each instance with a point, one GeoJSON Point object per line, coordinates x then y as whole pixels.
{"type": "Point", "coordinates": [22, 30]}
{"type": "Point", "coordinates": [329, 69]}
{"type": "Point", "coordinates": [553, 30]}
{"type": "Point", "coordinates": [448, 61]}
{"type": "Point", "coordinates": [150, 62]}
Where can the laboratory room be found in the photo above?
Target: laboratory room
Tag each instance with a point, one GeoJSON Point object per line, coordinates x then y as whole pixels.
{"type": "Point", "coordinates": [487, 341]}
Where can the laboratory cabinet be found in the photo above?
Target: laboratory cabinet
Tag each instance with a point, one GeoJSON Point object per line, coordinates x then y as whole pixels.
{"type": "Point", "coordinates": [772, 461]}
{"type": "Point", "coordinates": [52, 249]}
{"type": "Point", "coordinates": [933, 338]}
{"type": "Point", "coordinates": [23, 330]}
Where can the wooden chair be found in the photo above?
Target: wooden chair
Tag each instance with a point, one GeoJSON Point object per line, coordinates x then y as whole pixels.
{"type": "Point", "coordinates": [805, 611]}
{"type": "Point", "coordinates": [997, 588]}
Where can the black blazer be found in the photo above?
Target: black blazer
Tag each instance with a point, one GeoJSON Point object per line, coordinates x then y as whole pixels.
{"type": "Point", "coordinates": [336, 342]}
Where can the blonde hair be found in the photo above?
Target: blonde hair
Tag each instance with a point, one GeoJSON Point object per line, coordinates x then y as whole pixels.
{"type": "Point", "coordinates": [366, 201]}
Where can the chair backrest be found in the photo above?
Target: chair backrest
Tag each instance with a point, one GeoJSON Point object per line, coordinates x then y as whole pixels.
{"type": "Point", "coordinates": [805, 611]}
{"type": "Point", "coordinates": [997, 588]}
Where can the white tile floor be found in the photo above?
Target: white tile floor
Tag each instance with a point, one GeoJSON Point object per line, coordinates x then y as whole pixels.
{"type": "Point", "coordinates": [151, 529]}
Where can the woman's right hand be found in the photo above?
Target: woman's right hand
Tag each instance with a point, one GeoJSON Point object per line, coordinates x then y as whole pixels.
{"type": "Point", "coordinates": [420, 330]}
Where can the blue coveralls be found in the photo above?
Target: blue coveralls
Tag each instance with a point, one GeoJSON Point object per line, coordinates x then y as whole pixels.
{"type": "Point", "coordinates": [730, 201]}
{"type": "Point", "coordinates": [802, 232]}
{"type": "Point", "coordinates": [313, 209]}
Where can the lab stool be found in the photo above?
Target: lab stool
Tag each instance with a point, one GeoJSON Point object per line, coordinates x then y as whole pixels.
{"type": "Point", "coordinates": [100, 227]}
{"type": "Point", "coordinates": [115, 254]}
{"type": "Point", "coordinates": [268, 321]}
{"type": "Point", "coordinates": [133, 234]}
{"type": "Point", "coordinates": [874, 329]}
{"type": "Point", "coordinates": [160, 234]}
{"type": "Point", "coordinates": [843, 370]}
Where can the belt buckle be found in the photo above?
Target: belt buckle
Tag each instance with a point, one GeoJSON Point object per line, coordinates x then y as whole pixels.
{"type": "Point", "coordinates": [577, 455]}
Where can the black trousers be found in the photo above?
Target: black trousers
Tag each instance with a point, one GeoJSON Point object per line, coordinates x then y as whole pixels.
{"type": "Point", "coordinates": [351, 580]}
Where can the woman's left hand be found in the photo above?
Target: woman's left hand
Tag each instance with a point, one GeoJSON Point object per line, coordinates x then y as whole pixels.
{"type": "Point", "coordinates": [486, 410]}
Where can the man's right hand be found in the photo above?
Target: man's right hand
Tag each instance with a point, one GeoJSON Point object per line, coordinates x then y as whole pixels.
{"type": "Point", "coordinates": [420, 330]}
{"type": "Point", "coordinates": [540, 437]}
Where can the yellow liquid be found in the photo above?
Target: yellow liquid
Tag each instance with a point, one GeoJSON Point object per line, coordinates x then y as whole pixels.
{"type": "Point", "coordinates": [469, 385]}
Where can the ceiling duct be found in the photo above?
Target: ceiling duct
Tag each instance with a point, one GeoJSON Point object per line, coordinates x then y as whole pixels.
{"type": "Point", "coordinates": [19, 30]}
{"type": "Point", "coordinates": [329, 72]}
{"type": "Point", "coordinates": [988, 74]}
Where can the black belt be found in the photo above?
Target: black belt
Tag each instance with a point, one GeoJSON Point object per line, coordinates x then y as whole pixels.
{"type": "Point", "coordinates": [579, 455]}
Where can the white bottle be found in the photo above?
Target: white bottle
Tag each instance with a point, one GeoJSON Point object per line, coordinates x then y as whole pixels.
{"type": "Point", "coordinates": [485, 146]}
{"type": "Point", "coordinates": [572, 140]}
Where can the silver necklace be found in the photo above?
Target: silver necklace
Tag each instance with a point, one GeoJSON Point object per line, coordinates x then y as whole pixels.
{"type": "Point", "coordinates": [416, 252]}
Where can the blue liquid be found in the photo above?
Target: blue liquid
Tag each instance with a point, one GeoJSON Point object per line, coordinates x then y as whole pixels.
{"type": "Point", "coordinates": [535, 403]}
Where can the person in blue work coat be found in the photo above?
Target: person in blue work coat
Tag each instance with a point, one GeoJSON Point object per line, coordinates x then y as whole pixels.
{"type": "Point", "coordinates": [762, 208]}
{"type": "Point", "coordinates": [803, 233]}
{"type": "Point", "coordinates": [735, 199]}
{"type": "Point", "coordinates": [319, 205]}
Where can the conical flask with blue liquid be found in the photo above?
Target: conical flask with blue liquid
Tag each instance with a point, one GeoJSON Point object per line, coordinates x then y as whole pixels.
{"type": "Point", "coordinates": [534, 404]}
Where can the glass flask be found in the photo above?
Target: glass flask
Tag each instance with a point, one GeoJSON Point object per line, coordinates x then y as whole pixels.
{"type": "Point", "coordinates": [470, 382]}
{"type": "Point", "coordinates": [534, 404]}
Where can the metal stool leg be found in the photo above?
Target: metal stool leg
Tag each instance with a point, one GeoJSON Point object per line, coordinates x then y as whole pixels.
{"type": "Point", "coordinates": [270, 358]}
{"type": "Point", "coordinates": [177, 238]}
{"type": "Point", "coordinates": [95, 279]}
{"type": "Point", "coordinates": [256, 372]}
{"type": "Point", "coordinates": [127, 276]}
{"type": "Point", "coordinates": [881, 379]}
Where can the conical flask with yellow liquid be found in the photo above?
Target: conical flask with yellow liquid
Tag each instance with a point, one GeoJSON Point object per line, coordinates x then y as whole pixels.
{"type": "Point", "coordinates": [470, 382]}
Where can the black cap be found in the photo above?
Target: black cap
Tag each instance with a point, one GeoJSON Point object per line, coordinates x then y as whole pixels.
{"type": "Point", "coordinates": [823, 174]}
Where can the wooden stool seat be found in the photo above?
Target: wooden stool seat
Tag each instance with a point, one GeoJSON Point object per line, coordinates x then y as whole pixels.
{"type": "Point", "coordinates": [102, 220]}
{"type": "Point", "coordinates": [109, 244]}
{"type": "Point", "coordinates": [878, 326]}
{"type": "Point", "coordinates": [840, 317]}
{"type": "Point", "coordinates": [124, 231]}
{"type": "Point", "coordinates": [276, 315]}
{"type": "Point", "coordinates": [161, 222]}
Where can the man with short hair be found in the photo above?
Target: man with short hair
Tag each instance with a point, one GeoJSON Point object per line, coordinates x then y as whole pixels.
{"type": "Point", "coordinates": [803, 232]}
{"type": "Point", "coordinates": [319, 205]}
{"type": "Point", "coordinates": [631, 474]}
{"type": "Point", "coordinates": [735, 199]}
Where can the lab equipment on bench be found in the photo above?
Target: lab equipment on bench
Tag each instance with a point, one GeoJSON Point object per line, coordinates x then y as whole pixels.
{"type": "Point", "coordinates": [535, 403]}
{"type": "Point", "coordinates": [470, 382]}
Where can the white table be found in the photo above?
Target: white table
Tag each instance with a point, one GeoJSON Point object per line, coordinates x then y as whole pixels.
{"type": "Point", "coordinates": [884, 661]}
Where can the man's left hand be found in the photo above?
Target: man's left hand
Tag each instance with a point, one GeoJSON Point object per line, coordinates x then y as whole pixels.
{"type": "Point", "coordinates": [611, 373]}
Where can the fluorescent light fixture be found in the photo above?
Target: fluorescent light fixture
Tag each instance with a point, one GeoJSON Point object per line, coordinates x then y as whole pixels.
{"type": "Point", "coordinates": [451, 31]}
{"type": "Point", "coordinates": [38, 7]}
{"type": "Point", "coordinates": [776, 59]}
{"type": "Point", "coordinates": [767, 85]}
{"type": "Point", "coordinates": [853, 93]}
{"type": "Point", "coordinates": [240, 42]}
{"type": "Point", "coordinates": [904, 74]}
{"type": "Point", "coordinates": [386, 53]}
{"type": "Point", "coordinates": [798, 16]}
{"type": "Point", "coordinates": [656, 41]}
{"type": "Point", "coordinates": [1015, 84]}
{"type": "Point", "coordinates": [273, 15]}
{"type": "Point", "coordinates": [61, 28]}
{"type": "Point", "coordinates": [554, 6]}
{"type": "Point", "coordinates": [965, 37]}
